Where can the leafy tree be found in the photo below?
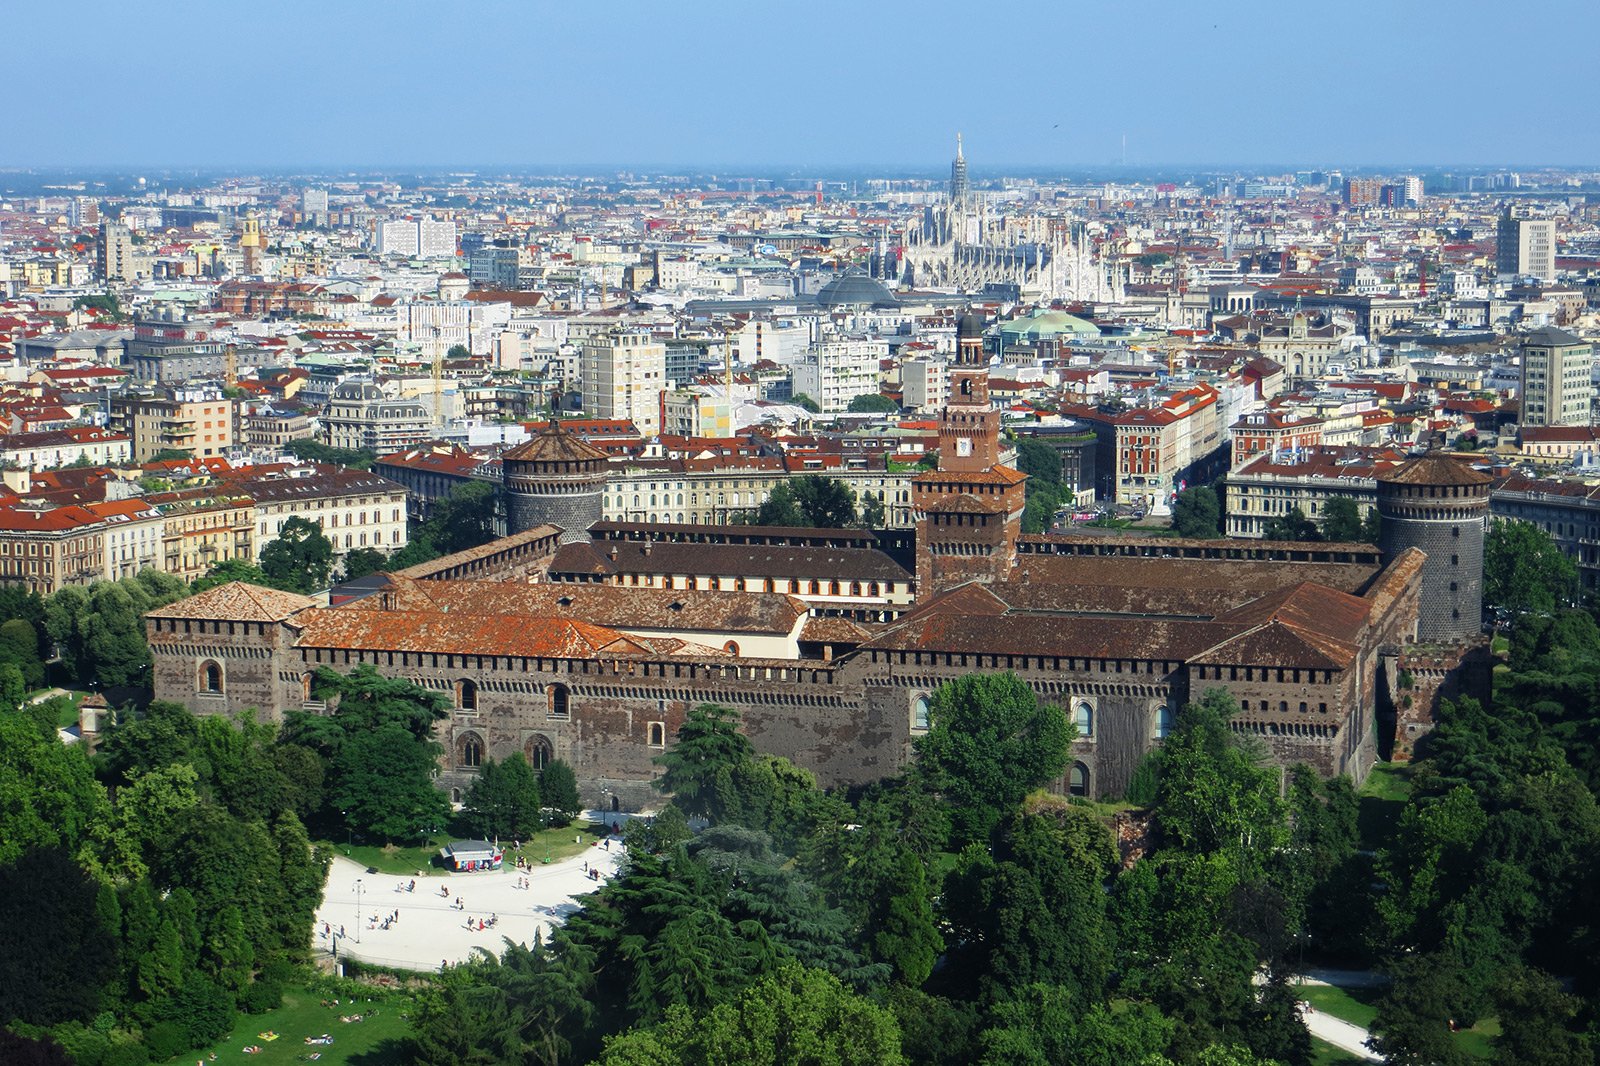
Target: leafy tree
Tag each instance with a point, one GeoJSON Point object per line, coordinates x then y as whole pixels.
{"type": "Point", "coordinates": [458, 351]}
{"type": "Point", "coordinates": [48, 795]}
{"type": "Point", "coordinates": [872, 512]}
{"type": "Point", "coordinates": [462, 1018]}
{"type": "Point", "coordinates": [1039, 513]}
{"type": "Point", "coordinates": [902, 931]}
{"type": "Point", "coordinates": [1524, 572]}
{"type": "Point", "coordinates": [800, 399]}
{"type": "Point", "coordinates": [171, 455]}
{"type": "Point", "coordinates": [59, 956]}
{"type": "Point", "coordinates": [418, 550]}
{"type": "Point", "coordinates": [811, 501]}
{"type": "Point", "coordinates": [504, 800]}
{"type": "Point", "coordinates": [1293, 525]}
{"type": "Point", "coordinates": [19, 646]}
{"type": "Point", "coordinates": [383, 785]}
{"type": "Point", "coordinates": [1540, 1025]}
{"type": "Point", "coordinates": [990, 743]}
{"type": "Point", "coordinates": [315, 451]}
{"type": "Point", "coordinates": [1039, 461]}
{"type": "Point", "coordinates": [873, 403]}
{"type": "Point", "coordinates": [795, 1017]}
{"type": "Point", "coordinates": [1197, 513]}
{"type": "Point", "coordinates": [1341, 520]}
{"type": "Point", "coordinates": [464, 519]}
{"type": "Point", "coordinates": [359, 562]}
{"type": "Point", "coordinates": [299, 559]}
{"type": "Point", "coordinates": [1215, 792]}
{"type": "Point", "coordinates": [1415, 1013]}
{"type": "Point", "coordinates": [700, 765]}
{"type": "Point", "coordinates": [230, 570]}
{"type": "Point", "coordinates": [558, 786]}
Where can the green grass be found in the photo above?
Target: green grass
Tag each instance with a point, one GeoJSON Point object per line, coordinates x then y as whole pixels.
{"type": "Point", "coordinates": [376, 1040]}
{"type": "Point", "coordinates": [1325, 1054]}
{"type": "Point", "coordinates": [1358, 1006]}
{"type": "Point", "coordinates": [1382, 798]}
{"type": "Point", "coordinates": [557, 844]}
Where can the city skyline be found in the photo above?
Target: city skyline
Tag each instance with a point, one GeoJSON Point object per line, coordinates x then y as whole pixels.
{"type": "Point", "coordinates": [1041, 88]}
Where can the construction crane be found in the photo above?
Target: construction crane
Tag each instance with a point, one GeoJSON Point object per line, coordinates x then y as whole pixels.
{"type": "Point", "coordinates": [438, 378]}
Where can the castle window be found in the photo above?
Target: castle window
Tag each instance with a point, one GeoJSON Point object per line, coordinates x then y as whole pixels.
{"type": "Point", "coordinates": [732, 647]}
{"type": "Point", "coordinates": [921, 714]}
{"type": "Point", "coordinates": [1164, 718]}
{"type": "Point", "coordinates": [558, 701]}
{"type": "Point", "coordinates": [658, 734]}
{"type": "Point", "coordinates": [1078, 780]}
{"type": "Point", "coordinates": [467, 695]}
{"type": "Point", "coordinates": [1083, 718]}
{"type": "Point", "coordinates": [538, 751]}
{"type": "Point", "coordinates": [470, 751]}
{"type": "Point", "coordinates": [211, 677]}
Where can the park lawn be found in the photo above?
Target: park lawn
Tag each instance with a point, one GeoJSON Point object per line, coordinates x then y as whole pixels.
{"type": "Point", "coordinates": [376, 1040]}
{"type": "Point", "coordinates": [1325, 1054]}
{"type": "Point", "coordinates": [1358, 1006]}
{"type": "Point", "coordinates": [556, 844]}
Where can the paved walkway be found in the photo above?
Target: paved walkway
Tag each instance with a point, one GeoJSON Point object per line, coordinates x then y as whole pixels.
{"type": "Point", "coordinates": [431, 929]}
{"type": "Point", "coordinates": [1341, 1034]}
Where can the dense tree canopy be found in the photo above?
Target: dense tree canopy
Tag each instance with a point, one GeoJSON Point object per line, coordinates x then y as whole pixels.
{"type": "Point", "coordinates": [1197, 513]}
{"type": "Point", "coordinates": [989, 743]}
{"type": "Point", "coordinates": [1524, 572]}
{"type": "Point", "coordinates": [299, 559]}
{"type": "Point", "coordinates": [809, 500]}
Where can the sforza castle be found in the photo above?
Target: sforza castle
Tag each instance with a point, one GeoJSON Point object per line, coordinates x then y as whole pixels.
{"type": "Point", "coordinates": [590, 641]}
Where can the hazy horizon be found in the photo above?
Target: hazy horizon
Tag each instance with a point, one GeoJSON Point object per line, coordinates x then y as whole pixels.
{"type": "Point", "coordinates": [1033, 86]}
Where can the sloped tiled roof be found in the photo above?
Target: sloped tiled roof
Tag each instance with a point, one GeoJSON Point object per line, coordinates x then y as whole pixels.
{"type": "Point", "coordinates": [237, 601]}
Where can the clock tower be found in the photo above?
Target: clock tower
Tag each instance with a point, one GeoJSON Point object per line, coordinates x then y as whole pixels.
{"type": "Point", "coordinates": [969, 510]}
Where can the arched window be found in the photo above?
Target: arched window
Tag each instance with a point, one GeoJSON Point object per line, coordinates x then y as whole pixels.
{"type": "Point", "coordinates": [658, 734]}
{"type": "Point", "coordinates": [921, 716]}
{"type": "Point", "coordinates": [1164, 717]}
{"type": "Point", "coordinates": [559, 701]}
{"type": "Point", "coordinates": [1083, 718]}
{"type": "Point", "coordinates": [469, 751]}
{"type": "Point", "coordinates": [211, 676]}
{"type": "Point", "coordinates": [467, 695]}
{"type": "Point", "coordinates": [1078, 780]}
{"type": "Point", "coordinates": [539, 751]}
{"type": "Point", "coordinates": [732, 647]}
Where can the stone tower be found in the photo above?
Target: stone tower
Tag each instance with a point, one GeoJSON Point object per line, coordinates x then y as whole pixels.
{"type": "Point", "coordinates": [969, 510]}
{"type": "Point", "coordinates": [1441, 506]}
{"type": "Point", "coordinates": [555, 478]}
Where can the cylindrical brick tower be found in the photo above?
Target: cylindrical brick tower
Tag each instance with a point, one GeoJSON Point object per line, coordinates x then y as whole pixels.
{"type": "Point", "coordinates": [1440, 505]}
{"type": "Point", "coordinates": [555, 478]}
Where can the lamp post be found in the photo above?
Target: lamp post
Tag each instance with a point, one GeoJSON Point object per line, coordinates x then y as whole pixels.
{"type": "Point", "coordinates": [358, 910]}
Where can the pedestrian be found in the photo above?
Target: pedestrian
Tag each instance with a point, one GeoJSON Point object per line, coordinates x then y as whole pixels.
{"type": "Point", "coordinates": [341, 931]}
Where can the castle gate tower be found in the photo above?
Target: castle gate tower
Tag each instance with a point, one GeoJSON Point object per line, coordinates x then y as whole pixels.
{"type": "Point", "coordinates": [1441, 506]}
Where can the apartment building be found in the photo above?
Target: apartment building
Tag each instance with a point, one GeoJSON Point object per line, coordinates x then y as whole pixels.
{"type": "Point", "coordinates": [1557, 387]}
{"type": "Point", "coordinates": [838, 370]}
{"type": "Point", "coordinates": [198, 421]}
{"type": "Point", "coordinates": [622, 374]}
{"type": "Point", "coordinates": [45, 549]}
{"type": "Point", "coordinates": [1274, 483]}
{"type": "Point", "coordinates": [354, 508]}
{"type": "Point", "coordinates": [84, 445]}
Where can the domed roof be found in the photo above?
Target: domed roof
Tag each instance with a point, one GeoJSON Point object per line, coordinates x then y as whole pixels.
{"type": "Point", "coordinates": [1048, 324]}
{"type": "Point", "coordinates": [856, 290]}
{"type": "Point", "coordinates": [969, 325]}
{"type": "Point", "coordinates": [1438, 470]}
{"type": "Point", "coordinates": [554, 445]}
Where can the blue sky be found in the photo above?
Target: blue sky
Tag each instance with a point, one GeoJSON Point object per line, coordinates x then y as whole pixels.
{"type": "Point", "coordinates": [813, 85]}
